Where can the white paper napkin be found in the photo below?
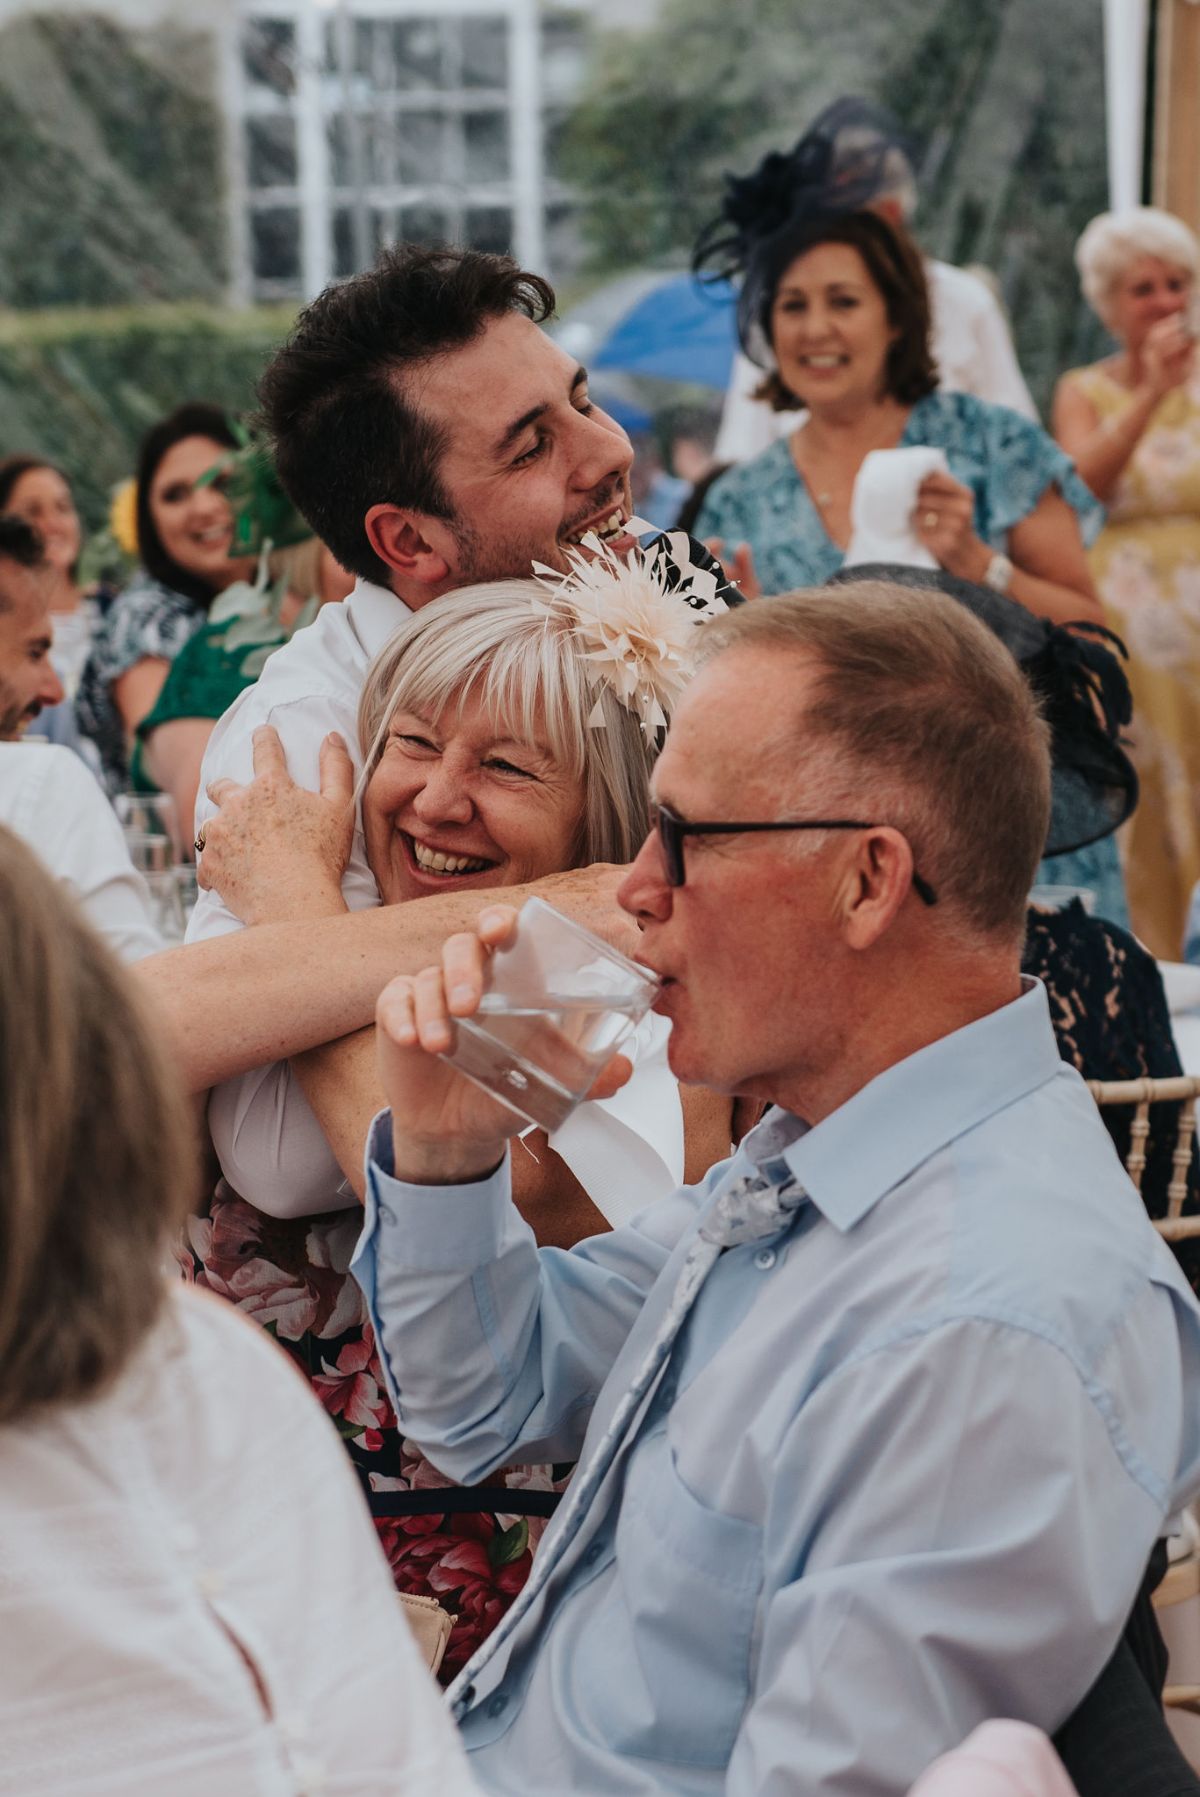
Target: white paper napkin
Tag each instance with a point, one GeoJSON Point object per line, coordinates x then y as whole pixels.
{"type": "Point", "coordinates": [882, 504]}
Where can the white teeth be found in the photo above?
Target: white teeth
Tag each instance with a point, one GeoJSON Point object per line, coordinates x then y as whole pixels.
{"type": "Point", "coordinates": [611, 527]}
{"type": "Point", "coordinates": [822, 361]}
{"type": "Point", "coordinates": [435, 862]}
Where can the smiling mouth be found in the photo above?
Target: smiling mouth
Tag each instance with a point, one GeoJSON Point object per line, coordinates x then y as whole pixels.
{"type": "Point", "coordinates": [608, 528]}
{"type": "Point", "coordinates": [823, 363]}
{"type": "Point", "coordinates": [444, 866]}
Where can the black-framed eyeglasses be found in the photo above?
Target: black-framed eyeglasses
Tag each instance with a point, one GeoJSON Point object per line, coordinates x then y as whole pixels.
{"type": "Point", "coordinates": [672, 830]}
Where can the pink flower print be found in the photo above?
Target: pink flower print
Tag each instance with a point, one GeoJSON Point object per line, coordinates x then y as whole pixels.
{"type": "Point", "coordinates": [474, 1568]}
{"type": "Point", "coordinates": [256, 1285]}
{"type": "Point", "coordinates": [348, 1390]}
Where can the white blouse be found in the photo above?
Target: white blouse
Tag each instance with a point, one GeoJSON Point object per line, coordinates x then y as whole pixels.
{"type": "Point", "coordinates": [192, 1598]}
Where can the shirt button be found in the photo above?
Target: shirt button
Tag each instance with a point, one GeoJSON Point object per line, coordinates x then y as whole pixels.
{"type": "Point", "coordinates": [764, 1260]}
{"type": "Point", "coordinates": [667, 1392]}
{"type": "Point", "coordinates": [498, 1705]}
{"type": "Point", "coordinates": [593, 1554]}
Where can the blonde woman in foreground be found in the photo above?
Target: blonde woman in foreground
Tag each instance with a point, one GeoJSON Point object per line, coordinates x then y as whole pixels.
{"type": "Point", "coordinates": [154, 1634]}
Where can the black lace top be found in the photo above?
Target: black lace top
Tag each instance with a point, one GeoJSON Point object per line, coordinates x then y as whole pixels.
{"type": "Point", "coordinates": [1110, 1017]}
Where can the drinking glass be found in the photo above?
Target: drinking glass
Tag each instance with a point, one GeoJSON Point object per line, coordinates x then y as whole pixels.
{"type": "Point", "coordinates": [150, 814]}
{"type": "Point", "coordinates": [151, 855]}
{"type": "Point", "coordinates": [558, 1002]}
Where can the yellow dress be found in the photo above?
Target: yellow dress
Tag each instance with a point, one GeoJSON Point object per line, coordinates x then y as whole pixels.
{"type": "Point", "coordinates": [1146, 564]}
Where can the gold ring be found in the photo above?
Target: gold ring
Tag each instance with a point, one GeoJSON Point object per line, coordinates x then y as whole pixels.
{"type": "Point", "coordinates": [198, 845]}
{"type": "Point", "coordinates": [930, 520]}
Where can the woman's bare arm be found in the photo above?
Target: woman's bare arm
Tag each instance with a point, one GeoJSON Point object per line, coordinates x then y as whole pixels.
{"type": "Point", "coordinates": [172, 755]}
{"type": "Point", "coordinates": [1050, 569]}
{"type": "Point", "coordinates": [135, 691]}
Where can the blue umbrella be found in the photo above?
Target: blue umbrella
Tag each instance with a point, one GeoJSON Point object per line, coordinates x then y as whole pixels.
{"type": "Point", "coordinates": [680, 330]}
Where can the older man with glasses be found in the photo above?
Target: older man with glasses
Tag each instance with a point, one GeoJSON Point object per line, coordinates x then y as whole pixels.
{"type": "Point", "coordinates": [878, 1426]}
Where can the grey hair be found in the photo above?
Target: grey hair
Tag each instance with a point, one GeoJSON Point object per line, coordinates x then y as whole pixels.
{"type": "Point", "coordinates": [499, 640]}
{"type": "Point", "coordinates": [919, 712]}
{"type": "Point", "coordinates": [1113, 240]}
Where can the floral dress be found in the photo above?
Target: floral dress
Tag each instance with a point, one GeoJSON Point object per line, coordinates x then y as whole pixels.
{"type": "Point", "coordinates": [471, 1549]}
{"type": "Point", "coordinates": [148, 619]}
{"type": "Point", "coordinates": [1147, 568]}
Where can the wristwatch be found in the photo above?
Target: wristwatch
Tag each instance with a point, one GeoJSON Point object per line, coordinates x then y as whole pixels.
{"type": "Point", "coordinates": [998, 574]}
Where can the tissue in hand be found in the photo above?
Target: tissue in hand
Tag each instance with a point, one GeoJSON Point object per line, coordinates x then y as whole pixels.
{"type": "Point", "coordinates": [882, 505]}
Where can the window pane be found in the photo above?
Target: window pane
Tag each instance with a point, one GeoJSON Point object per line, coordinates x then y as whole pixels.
{"type": "Point", "coordinates": [425, 224]}
{"type": "Point", "coordinates": [379, 148]}
{"type": "Point", "coordinates": [269, 54]}
{"type": "Point", "coordinates": [271, 151]}
{"type": "Point", "coordinates": [420, 53]}
{"type": "Point", "coordinates": [339, 150]}
{"type": "Point", "coordinates": [383, 228]}
{"type": "Point", "coordinates": [485, 135]}
{"type": "Point", "coordinates": [343, 243]}
{"type": "Point", "coordinates": [563, 59]}
{"type": "Point", "coordinates": [420, 148]}
{"type": "Point", "coordinates": [275, 243]}
{"type": "Point", "coordinates": [484, 53]}
{"type": "Point", "coordinates": [488, 228]}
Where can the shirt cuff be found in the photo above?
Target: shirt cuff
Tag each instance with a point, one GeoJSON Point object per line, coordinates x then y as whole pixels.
{"type": "Point", "coordinates": [431, 1229]}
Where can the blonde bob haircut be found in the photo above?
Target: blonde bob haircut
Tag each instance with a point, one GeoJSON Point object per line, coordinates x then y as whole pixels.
{"type": "Point", "coordinates": [498, 641]}
{"type": "Point", "coordinates": [1113, 241]}
{"type": "Point", "coordinates": [96, 1150]}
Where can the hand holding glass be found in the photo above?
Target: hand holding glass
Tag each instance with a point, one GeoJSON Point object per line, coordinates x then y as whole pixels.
{"type": "Point", "coordinates": [557, 1005]}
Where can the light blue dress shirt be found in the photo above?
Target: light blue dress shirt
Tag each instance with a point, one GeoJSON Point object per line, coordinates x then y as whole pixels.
{"type": "Point", "coordinates": [904, 1468]}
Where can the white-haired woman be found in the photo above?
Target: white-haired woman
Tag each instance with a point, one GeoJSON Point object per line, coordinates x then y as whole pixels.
{"type": "Point", "coordinates": [1132, 424]}
{"type": "Point", "coordinates": [506, 734]}
{"type": "Point", "coordinates": [164, 1475]}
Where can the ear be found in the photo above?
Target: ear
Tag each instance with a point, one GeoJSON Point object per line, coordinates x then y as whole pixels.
{"type": "Point", "coordinates": [879, 882]}
{"type": "Point", "coordinates": [413, 545]}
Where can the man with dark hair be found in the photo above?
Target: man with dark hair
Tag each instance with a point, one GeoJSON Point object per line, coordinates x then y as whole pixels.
{"type": "Point", "coordinates": [433, 436]}
{"type": "Point", "coordinates": [409, 413]}
{"type": "Point", "coordinates": [27, 678]}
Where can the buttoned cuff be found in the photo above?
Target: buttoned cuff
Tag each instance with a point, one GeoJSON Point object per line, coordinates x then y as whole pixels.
{"type": "Point", "coordinates": [431, 1229]}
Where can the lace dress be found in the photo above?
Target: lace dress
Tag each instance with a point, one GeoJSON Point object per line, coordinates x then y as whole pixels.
{"type": "Point", "coordinates": [1111, 1021]}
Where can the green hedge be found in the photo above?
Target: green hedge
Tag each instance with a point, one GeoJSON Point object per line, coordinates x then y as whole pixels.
{"type": "Point", "coordinates": [81, 387]}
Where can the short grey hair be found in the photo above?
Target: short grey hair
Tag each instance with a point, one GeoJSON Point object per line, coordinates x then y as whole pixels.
{"type": "Point", "coordinates": [928, 724]}
{"type": "Point", "coordinates": [1115, 240]}
{"type": "Point", "coordinates": [501, 641]}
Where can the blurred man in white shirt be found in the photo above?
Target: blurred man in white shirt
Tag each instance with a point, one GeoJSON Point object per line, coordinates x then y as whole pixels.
{"type": "Point", "coordinates": [47, 795]}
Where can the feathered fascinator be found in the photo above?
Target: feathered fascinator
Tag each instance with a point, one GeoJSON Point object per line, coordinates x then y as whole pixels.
{"type": "Point", "coordinates": [635, 617]}
{"type": "Point", "coordinates": [842, 163]}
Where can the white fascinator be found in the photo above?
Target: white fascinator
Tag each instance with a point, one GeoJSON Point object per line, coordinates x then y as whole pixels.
{"type": "Point", "coordinates": [636, 618]}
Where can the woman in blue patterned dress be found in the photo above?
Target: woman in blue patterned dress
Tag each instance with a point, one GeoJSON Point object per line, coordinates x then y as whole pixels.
{"type": "Point", "coordinates": [837, 305]}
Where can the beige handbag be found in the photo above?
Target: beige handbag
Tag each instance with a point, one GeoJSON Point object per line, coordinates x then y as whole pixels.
{"type": "Point", "coordinates": [430, 1625]}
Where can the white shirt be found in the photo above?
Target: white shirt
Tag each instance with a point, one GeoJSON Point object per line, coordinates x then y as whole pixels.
{"type": "Point", "coordinates": [271, 1148]}
{"type": "Point", "coordinates": [971, 346]}
{"type": "Point", "coordinates": [192, 1597]}
{"type": "Point", "coordinates": [48, 797]}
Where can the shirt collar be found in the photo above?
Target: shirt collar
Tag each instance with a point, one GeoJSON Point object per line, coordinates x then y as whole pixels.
{"type": "Point", "coordinates": [375, 614]}
{"type": "Point", "coordinates": [852, 1158]}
